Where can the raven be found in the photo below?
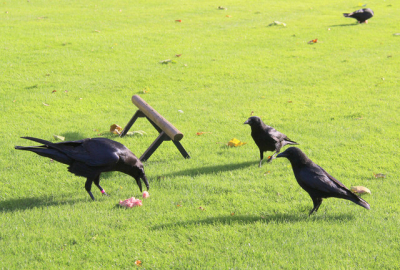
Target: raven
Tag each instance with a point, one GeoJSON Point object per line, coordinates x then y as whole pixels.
{"type": "Point", "coordinates": [267, 138]}
{"type": "Point", "coordinates": [316, 181]}
{"type": "Point", "coordinates": [90, 157]}
{"type": "Point", "coordinates": [361, 15]}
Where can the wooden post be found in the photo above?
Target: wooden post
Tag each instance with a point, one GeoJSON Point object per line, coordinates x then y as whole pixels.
{"type": "Point", "coordinates": [163, 126]}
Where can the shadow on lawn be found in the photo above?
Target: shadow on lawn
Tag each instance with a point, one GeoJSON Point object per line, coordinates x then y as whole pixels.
{"type": "Point", "coordinates": [239, 219]}
{"type": "Point", "coordinates": [212, 169]}
{"type": "Point", "coordinates": [33, 202]}
{"type": "Point", "coordinates": [342, 25]}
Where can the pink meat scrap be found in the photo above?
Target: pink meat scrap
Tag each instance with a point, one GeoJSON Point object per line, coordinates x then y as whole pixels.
{"type": "Point", "coordinates": [131, 202]}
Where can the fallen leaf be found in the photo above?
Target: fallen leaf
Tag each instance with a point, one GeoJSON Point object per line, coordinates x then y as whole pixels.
{"type": "Point", "coordinates": [277, 23]}
{"type": "Point", "coordinates": [136, 132]}
{"type": "Point", "coordinates": [116, 129]}
{"type": "Point", "coordinates": [167, 61]}
{"type": "Point", "coordinates": [202, 208]}
{"type": "Point", "coordinates": [45, 104]}
{"type": "Point", "coordinates": [58, 137]}
{"type": "Point", "coordinates": [289, 101]}
{"type": "Point", "coordinates": [224, 8]}
{"type": "Point", "coordinates": [232, 214]}
{"type": "Point", "coordinates": [138, 263]}
{"type": "Point", "coordinates": [235, 143]}
{"type": "Point", "coordinates": [360, 190]}
{"type": "Point", "coordinates": [53, 91]}
{"type": "Point", "coordinates": [178, 55]}
{"type": "Point", "coordinates": [229, 16]}
{"type": "Point", "coordinates": [313, 41]}
{"type": "Point", "coordinates": [380, 175]}
{"type": "Point", "coordinates": [178, 205]}
{"type": "Point", "coordinates": [268, 172]}
{"type": "Point", "coordinates": [201, 133]}
{"type": "Point", "coordinates": [252, 113]}
{"type": "Point", "coordinates": [178, 20]}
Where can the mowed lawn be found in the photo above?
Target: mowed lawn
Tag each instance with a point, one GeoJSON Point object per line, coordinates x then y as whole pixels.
{"type": "Point", "coordinates": [70, 68]}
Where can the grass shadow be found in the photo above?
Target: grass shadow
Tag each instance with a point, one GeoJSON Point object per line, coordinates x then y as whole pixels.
{"type": "Point", "coordinates": [72, 136]}
{"type": "Point", "coordinates": [343, 25]}
{"type": "Point", "coordinates": [241, 219]}
{"type": "Point", "coordinates": [19, 204]}
{"type": "Point", "coordinates": [212, 169]}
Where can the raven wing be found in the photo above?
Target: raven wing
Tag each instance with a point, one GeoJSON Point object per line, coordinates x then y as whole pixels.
{"type": "Point", "coordinates": [315, 178]}
{"type": "Point", "coordinates": [96, 152]}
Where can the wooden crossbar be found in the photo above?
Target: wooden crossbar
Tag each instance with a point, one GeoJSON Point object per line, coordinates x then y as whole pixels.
{"type": "Point", "coordinates": [163, 126]}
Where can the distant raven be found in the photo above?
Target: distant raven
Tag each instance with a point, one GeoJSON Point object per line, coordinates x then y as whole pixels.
{"type": "Point", "coordinates": [90, 157]}
{"type": "Point", "coordinates": [361, 15]}
{"type": "Point", "coordinates": [316, 181]}
{"type": "Point", "coordinates": [267, 138]}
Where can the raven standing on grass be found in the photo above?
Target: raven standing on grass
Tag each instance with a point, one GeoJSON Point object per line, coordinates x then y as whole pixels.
{"type": "Point", "coordinates": [316, 181]}
{"type": "Point", "coordinates": [361, 15]}
{"type": "Point", "coordinates": [267, 138]}
{"type": "Point", "coordinates": [90, 157]}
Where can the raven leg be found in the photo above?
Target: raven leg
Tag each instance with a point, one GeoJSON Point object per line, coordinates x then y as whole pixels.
{"type": "Point", "coordinates": [317, 203]}
{"type": "Point", "coordinates": [88, 187]}
{"type": "Point", "coordinates": [278, 147]}
{"type": "Point", "coordinates": [97, 183]}
{"type": "Point", "coordinates": [261, 158]}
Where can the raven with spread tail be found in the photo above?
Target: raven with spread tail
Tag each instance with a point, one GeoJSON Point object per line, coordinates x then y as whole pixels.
{"type": "Point", "coordinates": [316, 181]}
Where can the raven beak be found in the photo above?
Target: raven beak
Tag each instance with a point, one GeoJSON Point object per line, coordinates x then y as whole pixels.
{"type": "Point", "coordinates": [139, 183]}
{"type": "Point", "coordinates": [144, 178]}
{"type": "Point", "coordinates": [281, 155]}
{"type": "Point", "coordinates": [247, 122]}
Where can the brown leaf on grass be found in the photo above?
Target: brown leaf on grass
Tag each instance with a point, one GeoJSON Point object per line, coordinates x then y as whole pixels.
{"type": "Point", "coordinates": [313, 41]}
{"type": "Point", "coordinates": [223, 8]}
{"type": "Point", "coordinates": [252, 113]}
{"type": "Point", "coordinates": [360, 190]}
{"type": "Point", "coordinates": [235, 143]}
{"type": "Point", "coordinates": [202, 208]}
{"type": "Point", "coordinates": [138, 263]}
{"type": "Point", "coordinates": [228, 16]}
{"type": "Point", "coordinates": [201, 133]}
{"type": "Point", "coordinates": [233, 213]}
{"type": "Point", "coordinates": [178, 55]}
{"type": "Point", "coordinates": [178, 20]}
{"type": "Point", "coordinates": [379, 175]}
{"type": "Point", "coordinates": [115, 129]}
{"type": "Point", "coordinates": [53, 91]}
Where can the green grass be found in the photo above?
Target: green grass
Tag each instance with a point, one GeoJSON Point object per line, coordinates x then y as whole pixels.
{"type": "Point", "coordinates": [338, 98]}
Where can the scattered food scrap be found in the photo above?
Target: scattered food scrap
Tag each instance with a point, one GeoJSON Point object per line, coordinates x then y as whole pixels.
{"type": "Point", "coordinates": [131, 202]}
{"type": "Point", "coordinates": [360, 190]}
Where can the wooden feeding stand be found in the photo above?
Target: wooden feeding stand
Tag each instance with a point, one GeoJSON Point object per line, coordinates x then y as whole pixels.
{"type": "Point", "coordinates": [167, 131]}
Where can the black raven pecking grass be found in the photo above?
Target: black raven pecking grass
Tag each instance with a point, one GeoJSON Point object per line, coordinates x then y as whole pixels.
{"type": "Point", "coordinates": [361, 15]}
{"type": "Point", "coordinates": [91, 157]}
